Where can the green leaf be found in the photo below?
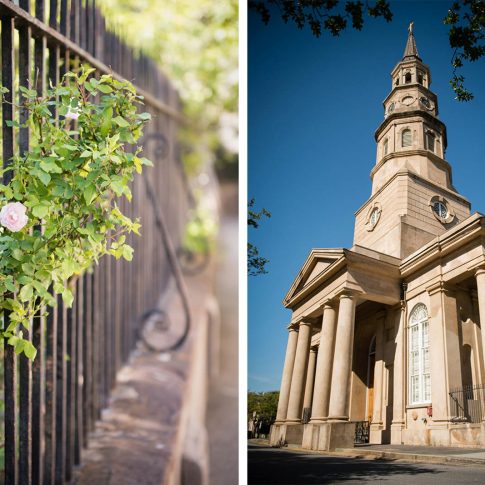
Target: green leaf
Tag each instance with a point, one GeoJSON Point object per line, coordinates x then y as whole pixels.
{"type": "Point", "coordinates": [67, 297]}
{"type": "Point", "coordinates": [29, 350]}
{"type": "Point", "coordinates": [17, 254]}
{"type": "Point", "coordinates": [104, 88]}
{"type": "Point", "coordinates": [40, 211]}
{"type": "Point", "coordinates": [121, 122]}
{"type": "Point", "coordinates": [127, 252]}
{"type": "Point", "coordinates": [26, 293]}
{"type": "Point", "coordinates": [89, 193]}
{"type": "Point", "coordinates": [44, 177]}
{"type": "Point", "coordinates": [49, 165]}
{"type": "Point", "coordinates": [28, 269]}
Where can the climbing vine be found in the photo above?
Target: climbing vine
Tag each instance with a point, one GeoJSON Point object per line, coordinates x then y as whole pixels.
{"type": "Point", "coordinates": [59, 210]}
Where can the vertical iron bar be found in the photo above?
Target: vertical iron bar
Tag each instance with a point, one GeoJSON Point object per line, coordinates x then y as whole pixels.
{"type": "Point", "coordinates": [70, 385]}
{"type": "Point", "coordinates": [25, 364]}
{"type": "Point", "coordinates": [87, 356]}
{"type": "Point", "coordinates": [50, 396]}
{"type": "Point", "coordinates": [80, 330]}
{"type": "Point", "coordinates": [38, 328]}
{"type": "Point", "coordinates": [60, 448]}
{"type": "Point", "coordinates": [10, 361]}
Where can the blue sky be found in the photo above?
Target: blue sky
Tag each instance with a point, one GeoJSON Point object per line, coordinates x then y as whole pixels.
{"type": "Point", "coordinates": [313, 107]}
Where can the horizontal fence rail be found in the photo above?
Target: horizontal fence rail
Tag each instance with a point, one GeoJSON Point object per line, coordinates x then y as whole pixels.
{"type": "Point", "coordinates": [53, 403]}
{"type": "Point", "coordinates": [467, 404]}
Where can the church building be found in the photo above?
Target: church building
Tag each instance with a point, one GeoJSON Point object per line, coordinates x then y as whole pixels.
{"type": "Point", "coordinates": [384, 343]}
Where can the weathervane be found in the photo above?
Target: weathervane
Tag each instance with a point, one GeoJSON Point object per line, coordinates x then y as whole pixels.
{"type": "Point", "coordinates": [410, 28]}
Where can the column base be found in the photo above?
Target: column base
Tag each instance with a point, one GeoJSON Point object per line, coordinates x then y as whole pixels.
{"type": "Point", "coordinates": [375, 433]}
{"type": "Point", "coordinates": [328, 436]}
{"type": "Point", "coordinates": [396, 433]}
{"type": "Point", "coordinates": [277, 434]}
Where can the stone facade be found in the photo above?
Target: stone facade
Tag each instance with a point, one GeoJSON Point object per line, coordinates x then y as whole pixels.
{"type": "Point", "coordinates": [388, 332]}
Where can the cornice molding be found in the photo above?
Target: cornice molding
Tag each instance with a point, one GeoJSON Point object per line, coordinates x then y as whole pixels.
{"type": "Point", "coordinates": [405, 172]}
{"type": "Point", "coordinates": [398, 115]}
{"type": "Point", "coordinates": [471, 228]}
{"type": "Point", "coordinates": [409, 153]}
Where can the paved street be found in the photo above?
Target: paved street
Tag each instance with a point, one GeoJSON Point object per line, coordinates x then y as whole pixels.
{"type": "Point", "coordinates": [286, 467]}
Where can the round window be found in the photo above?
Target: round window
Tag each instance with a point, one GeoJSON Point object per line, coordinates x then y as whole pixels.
{"type": "Point", "coordinates": [440, 209]}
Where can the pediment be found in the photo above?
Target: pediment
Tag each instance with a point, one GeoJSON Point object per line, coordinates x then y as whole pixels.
{"type": "Point", "coordinates": [317, 261]}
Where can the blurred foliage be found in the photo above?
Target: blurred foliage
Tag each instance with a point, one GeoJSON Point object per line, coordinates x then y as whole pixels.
{"type": "Point", "coordinates": [256, 263]}
{"type": "Point", "coordinates": [466, 18]}
{"type": "Point", "coordinates": [467, 38]}
{"type": "Point", "coordinates": [265, 404]}
{"type": "Point", "coordinates": [195, 42]}
{"type": "Point", "coordinates": [200, 231]}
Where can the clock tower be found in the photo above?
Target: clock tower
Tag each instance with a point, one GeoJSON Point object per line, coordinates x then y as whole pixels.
{"type": "Point", "coordinates": [413, 198]}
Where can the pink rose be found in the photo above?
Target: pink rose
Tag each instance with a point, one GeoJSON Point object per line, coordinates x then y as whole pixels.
{"type": "Point", "coordinates": [13, 217]}
{"type": "Point", "coordinates": [72, 115]}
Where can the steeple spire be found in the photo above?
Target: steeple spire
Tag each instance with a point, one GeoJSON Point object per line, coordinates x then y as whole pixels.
{"type": "Point", "coordinates": [411, 49]}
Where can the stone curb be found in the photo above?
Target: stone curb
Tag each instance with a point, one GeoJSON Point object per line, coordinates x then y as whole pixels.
{"type": "Point", "coordinates": [412, 457]}
{"type": "Point", "coordinates": [384, 455]}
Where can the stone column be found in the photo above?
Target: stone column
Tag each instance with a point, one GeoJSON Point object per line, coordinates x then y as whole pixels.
{"type": "Point", "coordinates": [287, 372]}
{"type": "Point", "coordinates": [399, 368]}
{"type": "Point", "coordinates": [323, 375]}
{"type": "Point", "coordinates": [480, 277]}
{"type": "Point", "coordinates": [310, 379]}
{"type": "Point", "coordinates": [299, 373]}
{"type": "Point", "coordinates": [444, 352]}
{"type": "Point", "coordinates": [378, 374]}
{"type": "Point", "coordinates": [342, 366]}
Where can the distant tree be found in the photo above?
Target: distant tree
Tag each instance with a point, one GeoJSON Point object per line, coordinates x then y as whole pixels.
{"type": "Point", "coordinates": [264, 404]}
{"type": "Point", "coordinates": [256, 263]}
{"type": "Point", "coordinates": [466, 18]}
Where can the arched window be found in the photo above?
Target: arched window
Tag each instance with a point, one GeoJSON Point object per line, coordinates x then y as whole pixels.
{"type": "Point", "coordinates": [407, 139]}
{"type": "Point", "coordinates": [419, 366]}
{"type": "Point", "coordinates": [385, 146]}
{"type": "Point", "coordinates": [430, 141]}
{"type": "Point", "coordinates": [420, 78]}
{"type": "Point", "coordinates": [407, 78]}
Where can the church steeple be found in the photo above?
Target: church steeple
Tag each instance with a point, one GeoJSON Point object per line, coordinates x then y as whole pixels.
{"type": "Point", "coordinates": [411, 50]}
{"type": "Point", "coordinates": [411, 180]}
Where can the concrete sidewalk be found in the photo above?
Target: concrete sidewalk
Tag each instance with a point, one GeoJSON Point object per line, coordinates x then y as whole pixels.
{"type": "Point", "coordinates": [414, 454]}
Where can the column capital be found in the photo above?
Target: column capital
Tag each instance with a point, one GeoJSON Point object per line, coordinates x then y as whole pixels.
{"type": "Point", "coordinates": [441, 287]}
{"type": "Point", "coordinates": [292, 327]}
{"type": "Point", "coordinates": [479, 271]}
{"type": "Point", "coordinates": [346, 293]}
{"type": "Point", "coordinates": [302, 323]}
{"type": "Point", "coordinates": [329, 303]}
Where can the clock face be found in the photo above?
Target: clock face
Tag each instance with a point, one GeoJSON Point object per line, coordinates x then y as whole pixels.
{"type": "Point", "coordinates": [425, 102]}
{"type": "Point", "coordinates": [407, 100]}
{"type": "Point", "coordinates": [374, 217]}
{"type": "Point", "coordinates": [390, 109]}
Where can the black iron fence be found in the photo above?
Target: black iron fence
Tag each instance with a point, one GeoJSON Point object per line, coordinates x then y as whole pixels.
{"type": "Point", "coordinates": [467, 404]}
{"type": "Point", "coordinates": [52, 404]}
{"type": "Point", "coordinates": [362, 429]}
